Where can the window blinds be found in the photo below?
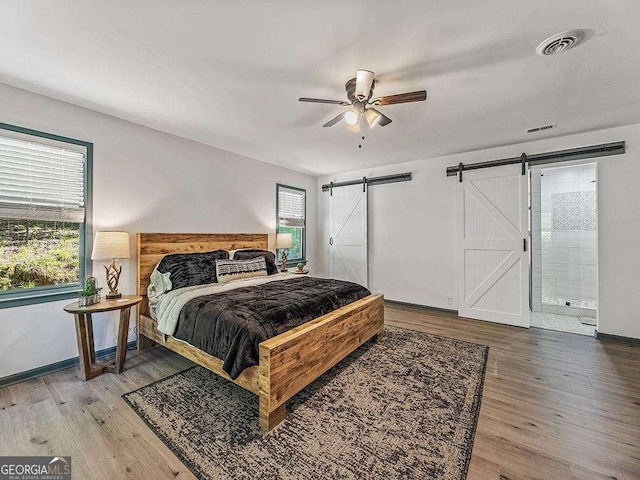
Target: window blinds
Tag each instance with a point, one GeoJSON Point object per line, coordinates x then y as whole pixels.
{"type": "Point", "coordinates": [290, 207]}
{"type": "Point", "coordinates": [41, 182]}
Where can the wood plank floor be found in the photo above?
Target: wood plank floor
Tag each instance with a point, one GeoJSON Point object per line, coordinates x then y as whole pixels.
{"type": "Point", "coordinates": [555, 406]}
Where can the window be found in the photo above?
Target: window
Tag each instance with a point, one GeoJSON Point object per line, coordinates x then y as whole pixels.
{"type": "Point", "coordinates": [292, 217]}
{"type": "Point", "coordinates": [44, 198]}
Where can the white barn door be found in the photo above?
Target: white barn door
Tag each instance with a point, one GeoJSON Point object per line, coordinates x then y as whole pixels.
{"type": "Point", "coordinates": [348, 234]}
{"type": "Point", "coordinates": [493, 229]}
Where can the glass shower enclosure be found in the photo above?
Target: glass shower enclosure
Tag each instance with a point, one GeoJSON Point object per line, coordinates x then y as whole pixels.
{"type": "Point", "coordinates": [564, 233]}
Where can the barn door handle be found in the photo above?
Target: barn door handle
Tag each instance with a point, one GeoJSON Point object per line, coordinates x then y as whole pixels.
{"type": "Point", "coordinates": [524, 244]}
{"type": "Point", "coordinates": [330, 240]}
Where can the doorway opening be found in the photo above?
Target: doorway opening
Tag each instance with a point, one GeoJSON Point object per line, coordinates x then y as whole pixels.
{"type": "Point", "coordinates": [564, 262]}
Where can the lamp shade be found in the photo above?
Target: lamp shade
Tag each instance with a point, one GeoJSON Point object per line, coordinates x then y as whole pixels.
{"type": "Point", "coordinates": [372, 116]}
{"type": "Point", "coordinates": [110, 245]}
{"type": "Point", "coordinates": [284, 240]}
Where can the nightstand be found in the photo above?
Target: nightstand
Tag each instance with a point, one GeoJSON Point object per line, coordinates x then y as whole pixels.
{"type": "Point", "coordinates": [84, 333]}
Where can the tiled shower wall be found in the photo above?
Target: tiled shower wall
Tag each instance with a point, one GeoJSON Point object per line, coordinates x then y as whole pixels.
{"type": "Point", "coordinates": [564, 239]}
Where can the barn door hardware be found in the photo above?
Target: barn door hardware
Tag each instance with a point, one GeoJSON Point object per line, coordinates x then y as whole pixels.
{"type": "Point", "coordinates": [368, 182]}
{"type": "Point", "coordinates": [602, 150]}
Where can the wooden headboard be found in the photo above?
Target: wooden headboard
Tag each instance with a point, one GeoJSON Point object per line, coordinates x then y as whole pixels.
{"type": "Point", "coordinates": [153, 246]}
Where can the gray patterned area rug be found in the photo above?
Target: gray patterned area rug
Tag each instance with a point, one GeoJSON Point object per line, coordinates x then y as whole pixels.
{"type": "Point", "coordinates": [405, 407]}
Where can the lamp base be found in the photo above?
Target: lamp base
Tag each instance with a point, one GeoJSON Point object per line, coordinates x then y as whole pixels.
{"type": "Point", "coordinates": [284, 258]}
{"type": "Point", "coordinates": [113, 277]}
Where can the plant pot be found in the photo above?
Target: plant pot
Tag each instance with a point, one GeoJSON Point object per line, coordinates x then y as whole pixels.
{"type": "Point", "coordinates": [300, 268]}
{"type": "Point", "coordinates": [90, 300]}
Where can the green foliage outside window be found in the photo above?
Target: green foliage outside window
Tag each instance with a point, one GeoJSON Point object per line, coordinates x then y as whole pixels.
{"type": "Point", "coordinates": [296, 252]}
{"type": "Point", "coordinates": [38, 253]}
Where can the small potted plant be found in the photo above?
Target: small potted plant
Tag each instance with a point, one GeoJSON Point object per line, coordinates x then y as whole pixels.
{"type": "Point", "coordinates": [300, 266]}
{"type": "Point", "coordinates": [90, 294]}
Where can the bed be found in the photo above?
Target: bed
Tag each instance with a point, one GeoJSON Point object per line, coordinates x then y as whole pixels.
{"type": "Point", "coordinates": [289, 361]}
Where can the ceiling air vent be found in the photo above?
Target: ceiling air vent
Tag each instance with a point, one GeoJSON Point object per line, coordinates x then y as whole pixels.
{"type": "Point", "coordinates": [560, 42]}
{"type": "Point", "coordinates": [542, 128]}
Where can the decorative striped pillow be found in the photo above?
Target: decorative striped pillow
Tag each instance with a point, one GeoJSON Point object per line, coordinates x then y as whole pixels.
{"type": "Point", "coordinates": [229, 270]}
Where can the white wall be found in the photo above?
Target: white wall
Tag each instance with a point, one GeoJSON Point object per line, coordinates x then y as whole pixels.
{"type": "Point", "coordinates": [144, 181]}
{"type": "Point", "coordinates": [412, 227]}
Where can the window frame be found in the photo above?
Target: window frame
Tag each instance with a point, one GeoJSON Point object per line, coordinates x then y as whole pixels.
{"type": "Point", "coordinates": [293, 261]}
{"type": "Point", "coordinates": [52, 293]}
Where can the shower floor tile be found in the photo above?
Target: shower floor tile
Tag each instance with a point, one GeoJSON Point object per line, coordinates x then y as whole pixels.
{"type": "Point", "coordinates": [561, 323]}
{"type": "Point", "coordinates": [587, 304]}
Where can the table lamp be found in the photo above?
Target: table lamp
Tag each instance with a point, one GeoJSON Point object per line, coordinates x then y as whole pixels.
{"type": "Point", "coordinates": [284, 241]}
{"type": "Point", "coordinates": [111, 246]}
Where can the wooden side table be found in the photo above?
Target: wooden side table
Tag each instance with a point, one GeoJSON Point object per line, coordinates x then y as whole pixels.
{"type": "Point", "coordinates": [84, 333]}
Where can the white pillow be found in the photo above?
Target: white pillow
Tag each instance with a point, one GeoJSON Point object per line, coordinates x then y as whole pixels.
{"type": "Point", "coordinates": [229, 270]}
{"type": "Point", "coordinates": [159, 283]}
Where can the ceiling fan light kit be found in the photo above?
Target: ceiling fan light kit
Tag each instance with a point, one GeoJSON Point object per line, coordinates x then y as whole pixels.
{"type": "Point", "coordinates": [359, 92]}
{"type": "Point", "coordinates": [373, 117]}
{"type": "Point", "coordinates": [351, 117]}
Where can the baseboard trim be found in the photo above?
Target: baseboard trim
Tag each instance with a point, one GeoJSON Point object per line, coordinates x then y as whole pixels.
{"type": "Point", "coordinates": [54, 367]}
{"type": "Point", "coordinates": [421, 307]}
{"type": "Point", "coordinates": [617, 338]}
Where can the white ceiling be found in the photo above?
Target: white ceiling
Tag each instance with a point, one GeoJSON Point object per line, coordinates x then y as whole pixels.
{"type": "Point", "coordinates": [229, 73]}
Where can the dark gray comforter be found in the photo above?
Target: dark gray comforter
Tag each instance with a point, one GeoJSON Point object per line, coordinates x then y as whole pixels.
{"type": "Point", "coordinates": [230, 325]}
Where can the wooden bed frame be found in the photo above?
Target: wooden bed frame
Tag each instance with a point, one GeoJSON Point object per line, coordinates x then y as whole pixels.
{"type": "Point", "coordinates": [288, 362]}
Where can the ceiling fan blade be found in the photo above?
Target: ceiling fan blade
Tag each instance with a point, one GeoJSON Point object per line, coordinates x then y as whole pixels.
{"type": "Point", "coordinates": [322, 100]}
{"type": "Point", "coordinates": [364, 80]}
{"type": "Point", "coordinates": [419, 96]}
{"type": "Point", "coordinates": [376, 118]}
{"type": "Point", "coordinates": [334, 120]}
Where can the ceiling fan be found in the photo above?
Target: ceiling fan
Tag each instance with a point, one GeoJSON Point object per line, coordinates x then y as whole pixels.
{"type": "Point", "coordinates": [359, 92]}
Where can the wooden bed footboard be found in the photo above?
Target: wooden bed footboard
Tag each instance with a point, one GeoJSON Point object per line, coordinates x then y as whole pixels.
{"type": "Point", "coordinates": [288, 362]}
{"type": "Point", "coordinates": [294, 359]}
